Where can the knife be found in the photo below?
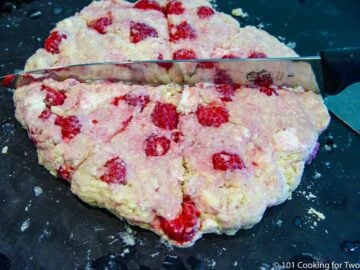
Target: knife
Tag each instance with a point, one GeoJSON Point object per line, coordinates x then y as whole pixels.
{"type": "Point", "coordinates": [330, 74]}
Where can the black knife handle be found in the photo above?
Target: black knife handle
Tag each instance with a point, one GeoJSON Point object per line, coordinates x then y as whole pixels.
{"type": "Point", "coordinates": [341, 68]}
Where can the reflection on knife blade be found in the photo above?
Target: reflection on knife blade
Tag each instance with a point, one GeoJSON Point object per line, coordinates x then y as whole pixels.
{"type": "Point", "coordinates": [278, 71]}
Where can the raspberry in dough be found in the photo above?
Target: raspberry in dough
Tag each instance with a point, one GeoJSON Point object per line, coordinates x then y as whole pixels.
{"type": "Point", "coordinates": [179, 160]}
{"type": "Point", "coordinates": [196, 29]}
{"type": "Point", "coordinates": [247, 154]}
{"type": "Point", "coordinates": [106, 30]}
{"type": "Point", "coordinates": [218, 156]}
{"type": "Point", "coordinates": [138, 174]}
{"type": "Point", "coordinates": [66, 120]}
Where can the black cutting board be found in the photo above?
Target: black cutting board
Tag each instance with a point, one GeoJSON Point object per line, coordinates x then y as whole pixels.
{"type": "Point", "coordinates": [64, 233]}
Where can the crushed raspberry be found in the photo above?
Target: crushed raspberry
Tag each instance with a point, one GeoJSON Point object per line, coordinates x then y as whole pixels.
{"type": "Point", "coordinates": [229, 56]}
{"type": "Point", "coordinates": [257, 55]}
{"type": "Point", "coordinates": [165, 116]}
{"type": "Point", "coordinates": [132, 100]}
{"type": "Point", "coordinates": [167, 66]}
{"type": "Point", "coordinates": [267, 91]}
{"type": "Point", "coordinates": [177, 136]}
{"type": "Point", "coordinates": [148, 4]}
{"type": "Point", "coordinates": [137, 100]}
{"type": "Point", "coordinates": [53, 97]}
{"type": "Point", "coordinates": [206, 65]}
{"type": "Point", "coordinates": [183, 227]}
{"type": "Point", "coordinates": [115, 171]}
{"type": "Point", "coordinates": [224, 161]}
{"type": "Point", "coordinates": [141, 31]}
{"type": "Point", "coordinates": [263, 81]}
{"type": "Point", "coordinates": [70, 126]}
{"type": "Point", "coordinates": [212, 116]}
{"type": "Point", "coordinates": [174, 7]}
{"type": "Point", "coordinates": [184, 54]}
{"type": "Point", "coordinates": [205, 12]}
{"type": "Point", "coordinates": [181, 31]}
{"type": "Point", "coordinates": [227, 91]}
{"type": "Point", "coordinates": [101, 24]}
{"type": "Point", "coordinates": [313, 153]}
{"type": "Point", "coordinates": [66, 172]}
{"type": "Point", "coordinates": [53, 41]}
{"type": "Point", "coordinates": [116, 100]}
{"type": "Point", "coordinates": [126, 123]}
{"type": "Point", "coordinates": [45, 114]}
{"type": "Point", "coordinates": [157, 146]}
{"type": "Point", "coordinates": [32, 135]}
{"type": "Point", "coordinates": [222, 77]}
{"type": "Point", "coordinates": [8, 80]}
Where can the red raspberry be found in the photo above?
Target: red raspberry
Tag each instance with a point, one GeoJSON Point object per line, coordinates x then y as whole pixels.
{"type": "Point", "coordinates": [70, 126]}
{"type": "Point", "coordinates": [177, 136]}
{"type": "Point", "coordinates": [205, 12]}
{"type": "Point", "coordinates": [184, 226]}
{"type": "Point", "coordinates": [66, 172]}
{"type": "Point", "coordinates": [181, 31]}
{"type": "Point", "coordinates": [184, 54]}
{"type": "Point", "coordinates": [157, 146]}
{"type": "Point", "coordinates": [53, 41]}
{"type": "Point", "coordinates": [101, 24]}
{"type": "Point", "coordinates": [165, 116]}
{"type": "Point", "coordinates": [267, 91]}
{"type": "Point", "coordinates": [224, 161]}
{"type": "Point", "coordinates": [148, 4]}
{"type": "Point", "coordinates": [115, 172]}
{"type": "Point", "coordinates": [174, 7]}
{"type": "Point", "coordinates": [257, 55]}
{"type": "Point", "coordinates": [167, 66]}
{"type": "Point", "coordinates": [141, 31]}
{"type": "Point", "coordinates": [227, 91]}
{"type": "Point", "coordinates": [53, 97]}
{"type": "Point", "coordinates": [206, 65]}
{"type": "Point", "coordinates": [212, 116]}
{"type": "Point", "coordinates": [45, 114]}
{"type": "Point", "coordinates": [8, 80]}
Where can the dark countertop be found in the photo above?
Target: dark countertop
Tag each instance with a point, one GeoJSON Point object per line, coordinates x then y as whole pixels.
{"type": "Point", "coordinates": [64, 233]}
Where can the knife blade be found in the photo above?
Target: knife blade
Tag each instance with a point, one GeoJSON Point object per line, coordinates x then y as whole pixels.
{"type": "Point", "coordinates": [279, 71]}
{"type": "Point", "coordinates": [330, 73]}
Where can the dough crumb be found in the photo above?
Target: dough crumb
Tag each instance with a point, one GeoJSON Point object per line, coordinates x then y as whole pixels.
{"type": "Point", "coordinates": [154, 254]}
{"type": "Point", "coordinates": [25, 225]}
{"type": "Point", "coordinates": [5, 149]}
{"type": "Point", "coordinates": [37, 191]}
{"type": "Point", "coordinates": [317, 175]}
{"type": "Point", "coordinates": [125, 251]}
{"type": "Point", "coordinates": [291, 44]}
{"type": "Point", "coordinates": [213, 3]}
{"type": "Point", "coordinates": [128, 239]}
{"type": "Point", "coordinates": [315, 213]}
{"type": "Point", "coordinates": [238, 12]}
